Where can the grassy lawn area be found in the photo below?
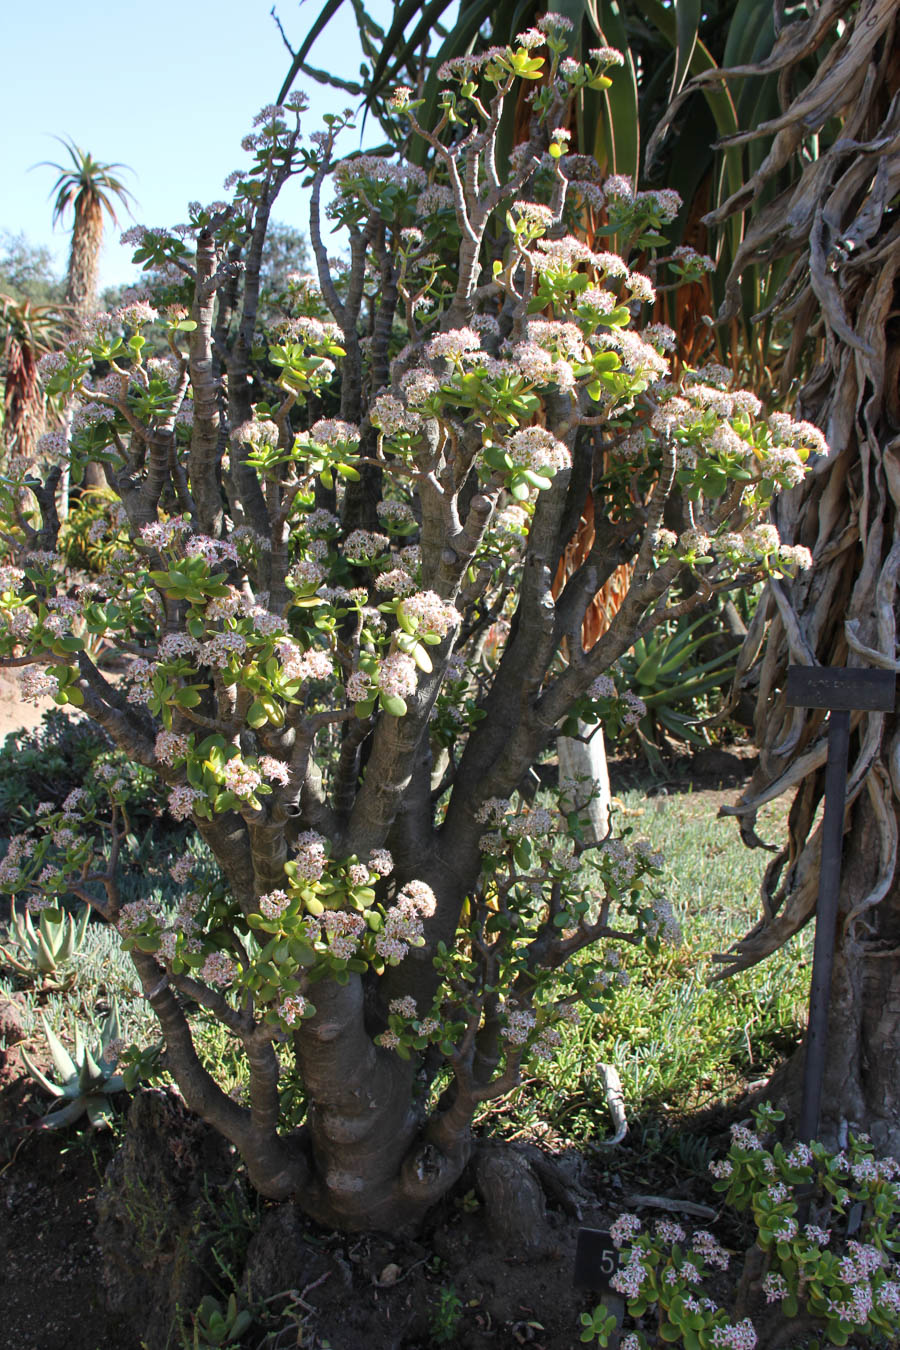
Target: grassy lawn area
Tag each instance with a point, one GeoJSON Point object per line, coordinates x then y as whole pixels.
{"type": "Point", "coordinates": [679, 1043]}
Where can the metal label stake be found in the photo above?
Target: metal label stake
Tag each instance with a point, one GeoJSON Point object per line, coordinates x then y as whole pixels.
{"type": "Point", "coordinates": [841, 691]}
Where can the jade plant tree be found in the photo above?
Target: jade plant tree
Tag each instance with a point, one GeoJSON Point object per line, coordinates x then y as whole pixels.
{"type": "Point", "coordinates": [340, 644]}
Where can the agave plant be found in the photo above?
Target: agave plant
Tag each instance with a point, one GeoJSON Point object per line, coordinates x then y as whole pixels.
{"type": "Point", "coordinates": [215, 1325]}
{"type": "Point", "coordinates": [40, 954]}
{"type": "Point", "coordinates": [662, 671]}
{"type": "Point", "coordinates": [88, 1079]}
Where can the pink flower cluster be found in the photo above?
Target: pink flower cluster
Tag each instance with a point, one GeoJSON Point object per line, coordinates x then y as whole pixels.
{"type": "Point", "coordinates": [275, 770]}
{"type": "Point", "coordinates": [273, 905]}
{"type": "Point", "coordinates": [310, 857]}
{"type": "Point", "coordinates": [736, 1336]}
{"type": "Point", "coordinates": [403, 921]}
{"type": "Point", "coordinates": [363, 546]}
{"type": "Point", "coordinates": [292, 1008]}
{"type": "Point", "coordinates": [453, 344]}
{"type": "Point", "coordinates": [20, 847]}
{"type": "Point", "coordinates": [520, 1023]}
{"type": "Point", "coordinates": [390, 416]}
{"type": "Point", "coordinates": [381, 862]}
{"type": "Point", "coordinates": [170, 747]}
{"type": "Point", "coordinates": [240, 778]}
{"type": "Point", "coordinates": [395, 514]}
{"type": "Point", "coordinates": [343, 930]}
{"type": "Point", "coordinates": [705, 1245]}
{"type": "Point", "coordinates": [182, 799]}
{"type": "Point", "coordinates": [181, 869]}
{"type": "Point", "coordinates": [218, 969]}
{"type": "Point", "coordinates": [358, 687]}
{"type": "Point", "coordinates": [135, 914]}
{"type": "Point", "coordinates": [37, 684]}
{"type": "Point", "coordinates": [397, 675]}
{"type": "Point", "coordinates": [431, 613]}
{"type": "Point", "coordinates": [537, 449]}
{"type": "Point", "coordinates": [629, 1278]}
{"type": "Point", "coordinates": [314, 664]}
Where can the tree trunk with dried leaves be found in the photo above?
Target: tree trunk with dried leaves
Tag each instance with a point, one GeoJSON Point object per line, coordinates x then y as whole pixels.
{"type": "Point", "coordinates": [837, 224]}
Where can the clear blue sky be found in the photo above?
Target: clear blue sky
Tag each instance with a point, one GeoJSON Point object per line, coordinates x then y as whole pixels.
{"type": "Point", "coordinates": [168, 88]}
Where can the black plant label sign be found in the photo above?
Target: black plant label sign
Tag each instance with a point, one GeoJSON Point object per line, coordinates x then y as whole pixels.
{"type": "Point", "coordinates": [838, 688]}
{"type": "Point", "coordinates": [596, 1259]}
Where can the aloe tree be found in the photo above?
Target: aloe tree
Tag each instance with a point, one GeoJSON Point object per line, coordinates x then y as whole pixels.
{"type": "Point", "coordinates": [824, 211]}
{"type": "Point", "coordinates": [29, 330]}
{"type": "Point", "coordinates": [90, 189]}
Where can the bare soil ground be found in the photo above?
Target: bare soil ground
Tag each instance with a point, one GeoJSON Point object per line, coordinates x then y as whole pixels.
{"type": "Point", "coordinates": [450, 1285]}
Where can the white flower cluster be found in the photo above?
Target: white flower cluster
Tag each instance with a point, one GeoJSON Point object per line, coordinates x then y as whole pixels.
{"type": "Point", "coordinates": [363, 546]}
{"type": "Point", "coordinates": [240, 778]}
{"type": "Point", "coordinates": [394, 514]}
{"type": "Point", "coordinates": [334, 433]}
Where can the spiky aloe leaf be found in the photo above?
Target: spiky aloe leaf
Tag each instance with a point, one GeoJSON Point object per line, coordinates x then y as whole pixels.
{"type": "Point", "coordinates": [90, 1074]}
{"type": "Point", "coordinates": [14, 962]}
{"type": "Point", "coordinates": [67, 945]}
{"type": "Point", "coordinates": [22, 924]}
{"type": "Point", "coordinates": [100, 1112]}
{"type": "Point", "coordinates": [65, 1065]}
{"type": "Point", "coordinates": [45, 958]}
{"type": "Point", "coordinates": [111, 1030]}
{"type": "Point", "coordinates": [52, 930]}
{"type": "Point", "coordinates": [243, 1320]}
{"type": "Point", "coordinates": [65, 1115]}
{"type": "Point", "coordinates": [96, 1071]}
{"type": "Point", "coordinates": [40, 1077]}
{"type": "Point", "coordinates": [81, 927]}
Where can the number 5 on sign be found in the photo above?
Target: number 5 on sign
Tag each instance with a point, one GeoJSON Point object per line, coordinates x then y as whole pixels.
{"type": "Point", "coordinates": [596, 1262]}
{"type": "Point", "coordinates": [596, 1259]}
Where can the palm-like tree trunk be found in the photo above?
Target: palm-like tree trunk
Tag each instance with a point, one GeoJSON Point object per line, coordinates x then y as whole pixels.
{"type": "Point", "coordinates": [84, 260]}
{"type": "Point", "coordinates": [23, 401]}
{"type": "Point", "coordinates": [81, 294]}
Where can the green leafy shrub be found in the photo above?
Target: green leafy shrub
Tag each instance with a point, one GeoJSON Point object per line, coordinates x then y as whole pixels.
{"type": "Point", "coordinates": [46, 764]}
{"type": "Point", "coordinates": [92, 531]}
{"type": "Point", "coordinates": [446, 1317]}
{"type": "Point", "coordinates": [215, 1325]}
